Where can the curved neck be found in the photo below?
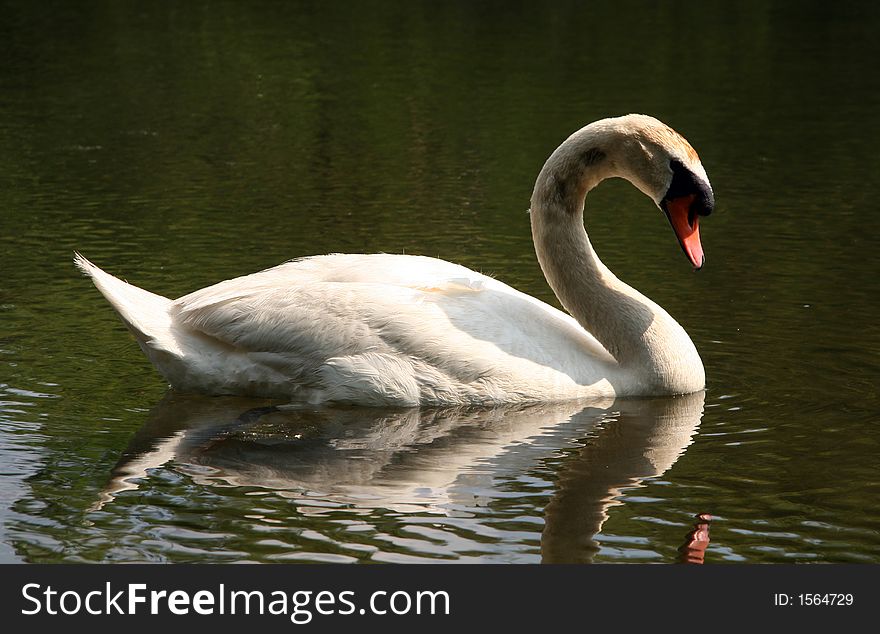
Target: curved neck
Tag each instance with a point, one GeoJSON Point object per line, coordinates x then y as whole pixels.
{"type": "Point", "coordinates": [646, 342]}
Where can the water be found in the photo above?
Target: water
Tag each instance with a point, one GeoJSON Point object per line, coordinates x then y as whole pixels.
{"type": "Point", "coordinates": [178, 145]}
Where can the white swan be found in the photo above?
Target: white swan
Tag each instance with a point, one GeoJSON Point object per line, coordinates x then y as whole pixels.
{"type": "Point", "coordinates": [409, 330]}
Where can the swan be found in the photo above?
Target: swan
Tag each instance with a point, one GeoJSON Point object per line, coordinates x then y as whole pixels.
{"type": "Point", "coordinates": [404, 330]}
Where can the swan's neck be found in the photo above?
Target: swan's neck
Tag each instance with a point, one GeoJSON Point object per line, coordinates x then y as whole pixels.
{"type": "Point", "coordinates": [651, 348]}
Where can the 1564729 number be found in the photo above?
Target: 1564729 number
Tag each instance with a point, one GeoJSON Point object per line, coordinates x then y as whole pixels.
{"type": "Point", "coordinates": [825, 599]}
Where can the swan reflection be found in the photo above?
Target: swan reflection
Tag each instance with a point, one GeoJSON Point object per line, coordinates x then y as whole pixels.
{"type": "Point", "coordinates": [443, 461]}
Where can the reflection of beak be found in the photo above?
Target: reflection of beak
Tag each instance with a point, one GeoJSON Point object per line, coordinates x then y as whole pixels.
{"type": "Point", "coordinates": [686, 224]}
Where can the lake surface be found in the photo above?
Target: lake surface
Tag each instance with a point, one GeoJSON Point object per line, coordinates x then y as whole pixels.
{"type": "Point", "coordinates": [179, 144]}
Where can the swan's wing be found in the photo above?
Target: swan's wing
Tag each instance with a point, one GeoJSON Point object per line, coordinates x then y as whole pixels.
{"type": "Point", "coordinates": [371, 313]}
{"type": "Point", "coordinates": [362, 300]}
{"type": "Point", "coordinates": [319, 307]}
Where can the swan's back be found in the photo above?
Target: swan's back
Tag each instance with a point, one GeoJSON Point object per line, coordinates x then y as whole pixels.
{"type": "Point", "coordinates": [393, 329]}
{"type": "Point", "coordinates": [372, 329]}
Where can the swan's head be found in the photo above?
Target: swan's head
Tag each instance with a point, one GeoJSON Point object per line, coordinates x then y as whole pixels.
{"type": "Point", "coordinates": [661, 163]}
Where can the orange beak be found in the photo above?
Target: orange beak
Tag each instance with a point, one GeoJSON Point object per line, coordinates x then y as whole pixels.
{"type": "Point", "coordinates": [686, 225]}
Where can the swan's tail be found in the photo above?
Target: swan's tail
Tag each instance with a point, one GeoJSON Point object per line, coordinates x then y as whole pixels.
{"type": "Point", "coordinates": [144, 313]}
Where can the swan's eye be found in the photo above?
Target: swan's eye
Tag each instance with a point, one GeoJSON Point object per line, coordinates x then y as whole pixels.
{"type": "Point", "coordinates": [686, 183]}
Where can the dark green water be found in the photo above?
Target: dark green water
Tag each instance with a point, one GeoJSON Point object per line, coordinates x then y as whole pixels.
{"type": "Point", "coordinates": [178, 144]}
